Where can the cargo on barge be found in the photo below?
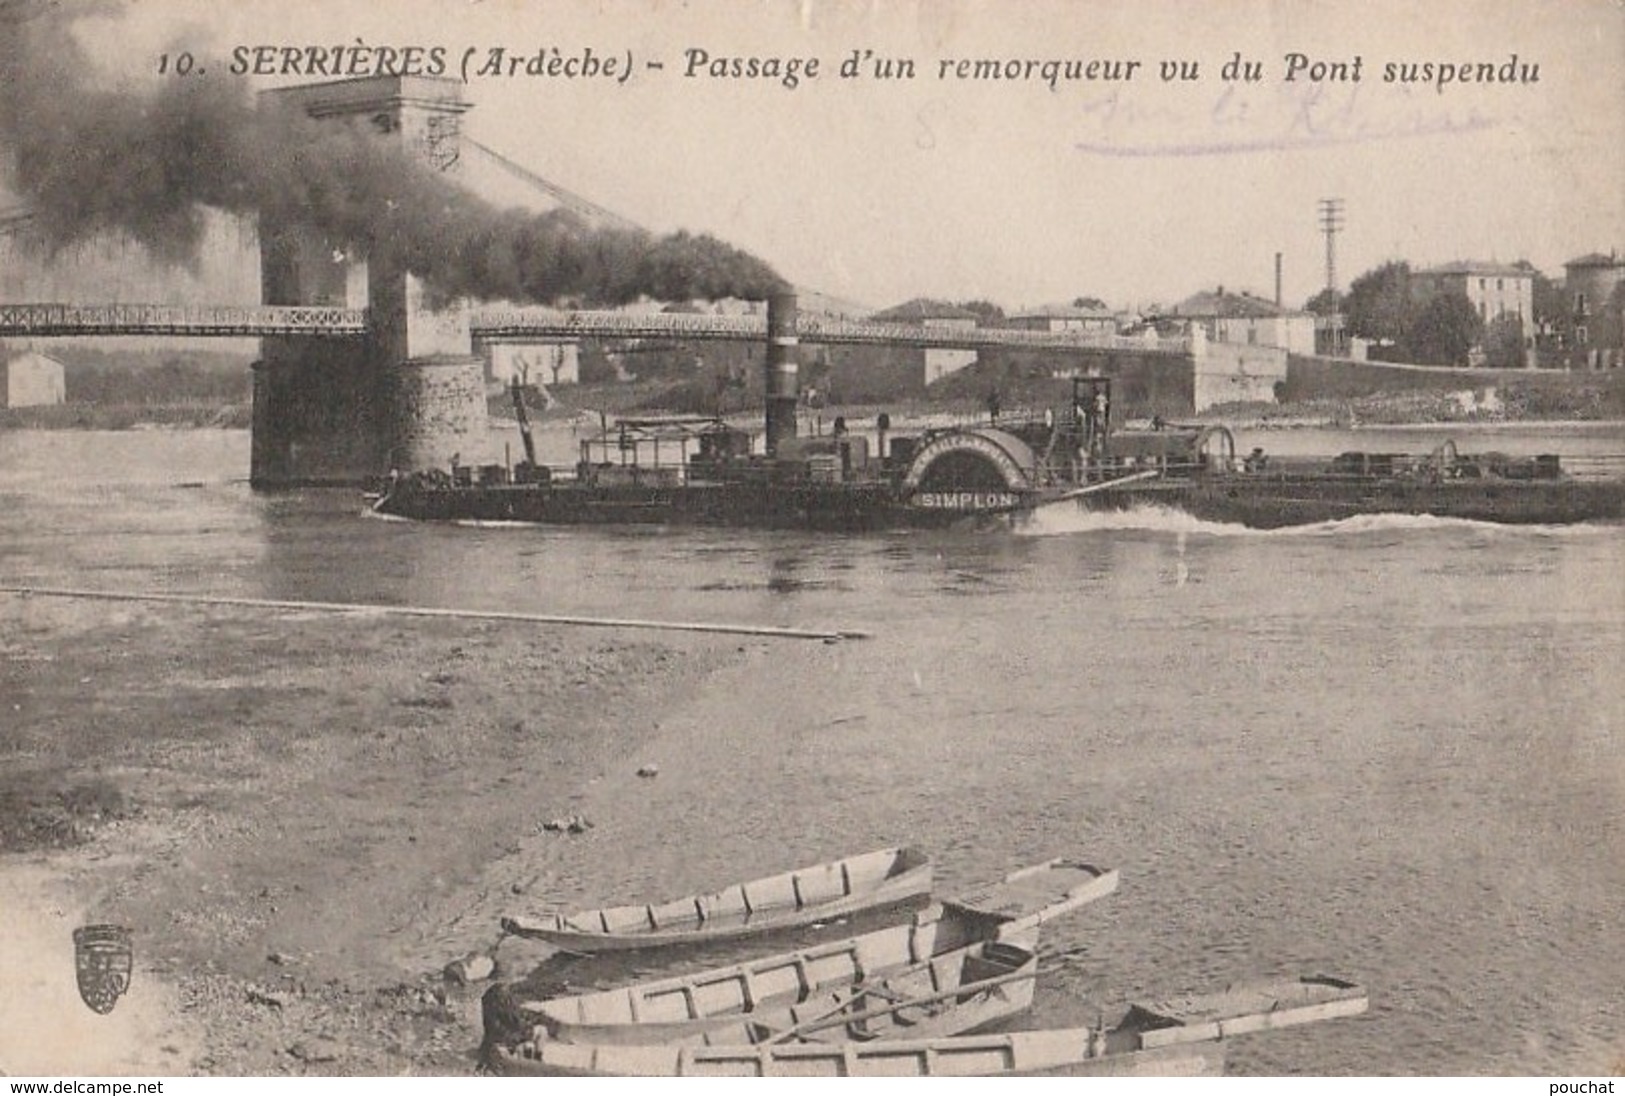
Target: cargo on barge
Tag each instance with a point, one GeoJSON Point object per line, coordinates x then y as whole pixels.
{"type": "Point", "coordinates": [704, 471]}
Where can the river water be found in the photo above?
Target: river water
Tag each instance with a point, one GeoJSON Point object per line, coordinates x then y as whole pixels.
{"type": "Point", "coordinates": [1388, 748]}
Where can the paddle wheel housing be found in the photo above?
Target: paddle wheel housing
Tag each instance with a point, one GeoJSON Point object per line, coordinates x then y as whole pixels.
{"type": "Point", "coordinates": [971, 469]}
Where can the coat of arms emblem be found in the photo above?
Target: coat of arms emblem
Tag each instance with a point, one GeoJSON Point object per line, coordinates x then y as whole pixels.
{"type": "Point", "coordinates": [102, 959]}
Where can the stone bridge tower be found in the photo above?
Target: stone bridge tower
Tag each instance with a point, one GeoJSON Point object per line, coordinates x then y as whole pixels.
{"type": "Point", "coordinates": [411, 394]}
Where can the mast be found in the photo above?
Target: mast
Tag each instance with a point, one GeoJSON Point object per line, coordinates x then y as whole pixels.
{"type": "Point", "coordinates": [524, 422]}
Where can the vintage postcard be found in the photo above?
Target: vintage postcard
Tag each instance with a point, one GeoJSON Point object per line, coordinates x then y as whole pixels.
{"type": "Point", "coordinates": [815, 537]}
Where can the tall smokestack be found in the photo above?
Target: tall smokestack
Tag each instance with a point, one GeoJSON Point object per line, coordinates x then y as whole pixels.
{"type": "Point", "coordinates": [1277, 279]}
{"type": "Point", "coordinates": [782, 366]}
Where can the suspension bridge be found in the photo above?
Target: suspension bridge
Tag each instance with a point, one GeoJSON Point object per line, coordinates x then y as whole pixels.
{"type": "Point", "coordinates": [361, 371]}
{"type": "Point", "coordinates": [46, 320]}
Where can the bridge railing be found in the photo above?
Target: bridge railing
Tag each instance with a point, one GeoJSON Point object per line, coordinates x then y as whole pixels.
{"type": "Point", "coordinates": [519, 323]}
{"type": "Point", "coordinates": [512, 325]}
{"type": "Point", "coordinates": [180, 319]}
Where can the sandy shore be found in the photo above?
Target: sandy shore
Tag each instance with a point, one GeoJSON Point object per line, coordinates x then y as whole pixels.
{"type": "Point", "coordinates": [301, 817]}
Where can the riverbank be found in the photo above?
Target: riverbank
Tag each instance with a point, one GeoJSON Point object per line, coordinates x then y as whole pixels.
{"type": "Point", "coordinates": [294, 814]}
{"type": "Point", "coordinates": [1427, 397]}
{"type": "Point", "coordinates": [201, 414]}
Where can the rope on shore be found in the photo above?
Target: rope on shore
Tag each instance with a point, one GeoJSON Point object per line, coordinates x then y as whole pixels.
{"type": "Point", "coordinates": [768, 631]}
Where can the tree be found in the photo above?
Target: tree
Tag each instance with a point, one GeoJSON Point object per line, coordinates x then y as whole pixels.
{"type": "Point", "coordinates": [1090, 302]}
{"type": "Point", "coordinates": [1503, 342]}
{"type": "Point", "coordinates": [1379, 303]}
{"type": "Point", "coordinates": [988, 314]}
{"type": "Point", "coordinates": [1444, 331]}
{"type": "Point", "coordinates": [1328, 302]}
{"type": "Point", "coordinates": [1551, 304]}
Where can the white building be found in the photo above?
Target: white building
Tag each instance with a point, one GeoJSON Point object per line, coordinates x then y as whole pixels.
{"type": "Point", "coordinates": [1495, 290]}
{"type": "Point", "coordinates": [1248, 320]}
{"type": "Point", "coordinates": [31, 379]}
{"type": "Point", "coordinates": [1064, 317]}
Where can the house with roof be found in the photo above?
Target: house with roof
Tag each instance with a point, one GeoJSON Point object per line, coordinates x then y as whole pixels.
{"type": "Point", "coordinates": [1593, 326]}
{"type": "Point", "coordinates": [1497, 291]}
{"type": "Point", "coordinates": [31, 379]}
{"type": "Point", "coordinates": [1065, 317]}
{"type": "Point", "coordinates": [1247, 320]}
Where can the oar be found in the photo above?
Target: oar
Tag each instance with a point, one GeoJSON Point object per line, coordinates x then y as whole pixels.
{"type": "Point", "coordinates": [1093, 487]}
{"type": "Point", "coordinates": [971, 989]}
{"type": "Point", "coordinates": [841, 1006]}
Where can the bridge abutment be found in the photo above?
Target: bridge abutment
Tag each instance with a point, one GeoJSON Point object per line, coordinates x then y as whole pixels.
{"type": "Point", "coordinates": [410, 395]}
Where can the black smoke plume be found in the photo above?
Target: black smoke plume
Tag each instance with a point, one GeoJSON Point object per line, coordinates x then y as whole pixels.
{"type": "Point", "coordinates": [91, 159]}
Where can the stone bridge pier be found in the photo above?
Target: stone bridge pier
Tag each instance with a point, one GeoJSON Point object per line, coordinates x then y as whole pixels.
{"type": "Point", "coordinates": [410, 394]}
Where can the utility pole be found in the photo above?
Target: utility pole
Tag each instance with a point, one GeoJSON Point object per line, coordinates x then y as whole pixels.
{"type": "Point", "coordinates": [1331, 223]}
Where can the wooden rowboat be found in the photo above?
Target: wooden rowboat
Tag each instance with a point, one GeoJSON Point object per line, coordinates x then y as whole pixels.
{"type": "Point", "coordinates": [789, 900]}
{"type": "Point", "coordinates": [967, 990]}
{"type": "Point", "coordinates": [964, 990]}
{"type": "Point", "coordinates": [1181, 1036]}
{"type": "Point", "coordinates": [958, 966]}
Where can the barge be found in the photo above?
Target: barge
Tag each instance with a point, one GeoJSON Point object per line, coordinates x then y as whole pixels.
{"type": "Point", "coordinates": [705, 471]}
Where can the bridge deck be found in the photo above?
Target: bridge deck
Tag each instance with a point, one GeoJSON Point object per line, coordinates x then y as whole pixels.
{"type": "Point", "coordinates": [515, 325]}
{"type": "Point", "coordinates": [518, 325]}
{"type": "Point", "coordinates": [218, 321]}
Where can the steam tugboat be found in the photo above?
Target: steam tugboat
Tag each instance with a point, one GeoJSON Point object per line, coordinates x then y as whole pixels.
{"type": "Point", "coordinates": [704, 471]}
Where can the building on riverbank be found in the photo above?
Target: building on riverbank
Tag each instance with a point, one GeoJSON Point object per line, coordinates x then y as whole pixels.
{"type": "Point", "coordinates": [1593, 326]}
{"type": "Point", "coordinates": [1065, 317]}
{"type": "Point", "coordinates": [32, 379]}
{"type": "Point", "coordinates": [1503, 295]}
{"type": "Point", "coordinates": [1495, 290]}
{"type": "Point", "coordinates": [1247, 320]}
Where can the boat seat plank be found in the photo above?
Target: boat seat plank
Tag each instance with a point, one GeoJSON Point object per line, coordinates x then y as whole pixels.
{"type": "Point", "coordinates": [675, 914]}
{"type": "Point", "coordinates": [625, 918]}
{"type": "Point", "coordinates": [972, 1061]}
{"type": "Point", "coordinates": [835, 969]}
{"type": "Point", "coordinates": [866, 872]}
{"type": "Point", "coordinates": [780, 981]}
{"type": "Point", "coordinates": [671, 1006]}
{"type": "Point", "coordinates": [723, 996]}
{"type": "Point", "coordinates": [725, 905]}
{"type": "Point", "coordinates": [777, 893]}
{"type": "Point", "coordinates": [821, 884]}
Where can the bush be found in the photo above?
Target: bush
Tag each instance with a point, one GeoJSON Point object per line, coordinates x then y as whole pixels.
{"type": "Point", "coordinates": [33, 816]}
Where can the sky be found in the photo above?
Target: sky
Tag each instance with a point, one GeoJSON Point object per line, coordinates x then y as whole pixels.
{"type": "Point", "coordinates": [1137, 191]}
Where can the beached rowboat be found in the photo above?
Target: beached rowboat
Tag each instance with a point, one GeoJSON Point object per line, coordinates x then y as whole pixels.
{"type": "Point", "coordinates": [936, 974]}
{"type": "Point", "coordinates": [1178, 1036]}
{"type": "Point", "coordinates": [971, 989]}
{"type": "Point", "coordinates": [788, 900]}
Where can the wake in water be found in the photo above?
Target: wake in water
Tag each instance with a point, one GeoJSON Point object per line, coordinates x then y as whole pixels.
{"type": "Point", "coordinates": [1065, 520]}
